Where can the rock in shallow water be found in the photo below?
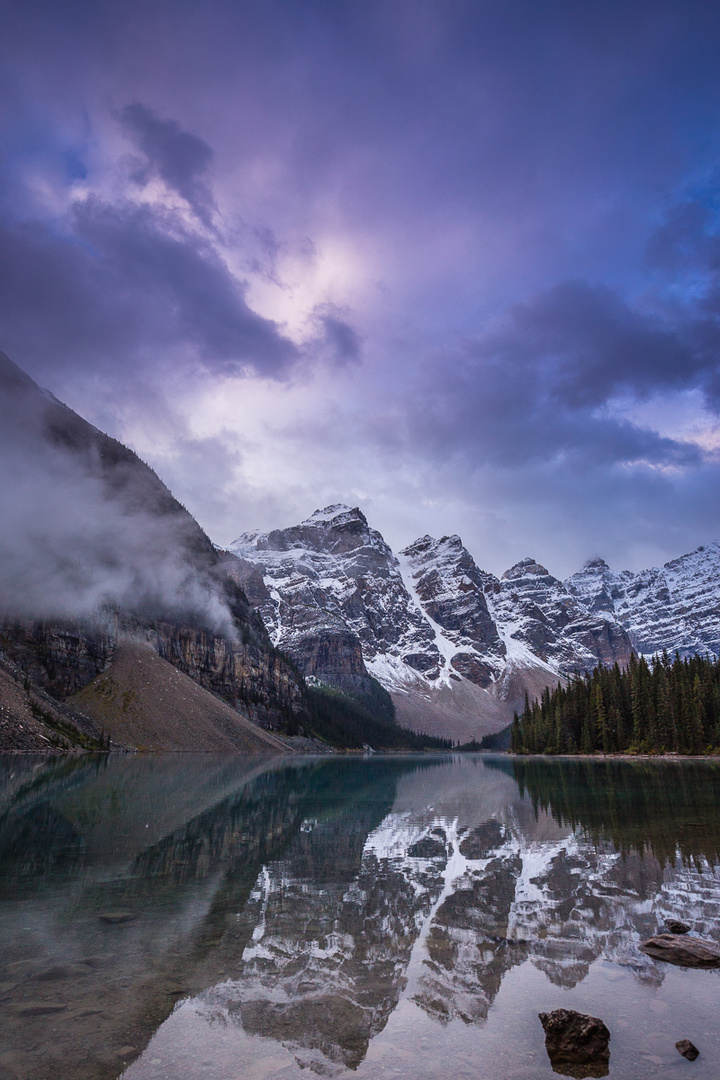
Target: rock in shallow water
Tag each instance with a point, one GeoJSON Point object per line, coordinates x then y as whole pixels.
{"type": "Point", "coordinates": [577, 1044]}
{"type": "Point", "coordinates": [684, 951]}
{"type": "Point", "coordinates": [687, 1049]}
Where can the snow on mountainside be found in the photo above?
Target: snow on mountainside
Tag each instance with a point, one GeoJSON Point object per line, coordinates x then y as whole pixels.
{"type": "Point", "coordinates": [676, 606]}
{"type": "Point", "coordinates": [533, 607]}
{"type": "Point", "coordinates": [456, 647]}
{"type": "Point", "coordinates": [450, 590]}
{"type": "Point", "coordinates": [332, 574]}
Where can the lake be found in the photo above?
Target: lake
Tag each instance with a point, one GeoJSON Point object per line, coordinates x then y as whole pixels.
{"type": "Point", "coordinates": [172, 917]}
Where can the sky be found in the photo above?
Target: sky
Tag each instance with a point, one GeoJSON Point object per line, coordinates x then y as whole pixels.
{"type": "Point", "coordinates": [456, 263]}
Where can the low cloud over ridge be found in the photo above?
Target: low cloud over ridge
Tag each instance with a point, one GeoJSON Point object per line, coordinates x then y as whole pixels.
{"type": "Point", "coordinates": [86, 527]}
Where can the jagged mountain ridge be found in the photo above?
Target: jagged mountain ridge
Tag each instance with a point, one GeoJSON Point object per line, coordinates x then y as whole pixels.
{"type": "Point", "coordinates": [675, 606]}
{"type": "Point", "coordinates": [456, 647]}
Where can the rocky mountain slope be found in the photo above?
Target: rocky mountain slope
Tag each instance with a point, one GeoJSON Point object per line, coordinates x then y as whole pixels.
{"type": "Point", "coordinates": [456, 647]}
{"type": "Point", "coordinates": [142, 700]}
{"type": "Point", "coordinates": [675, 606]}
{"type": "Point", "coordinates": [93, 549]}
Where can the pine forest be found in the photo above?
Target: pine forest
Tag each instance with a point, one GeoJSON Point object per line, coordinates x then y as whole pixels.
{"type": "Point", "coordinates": [662, 706]}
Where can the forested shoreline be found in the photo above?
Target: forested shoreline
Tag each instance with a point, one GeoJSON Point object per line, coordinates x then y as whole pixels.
{"type": "Point", "coordinates": [662, 706]}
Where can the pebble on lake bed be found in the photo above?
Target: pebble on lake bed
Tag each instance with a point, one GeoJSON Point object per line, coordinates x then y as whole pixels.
{"type": "Point", "coordinates": [687, 1049]}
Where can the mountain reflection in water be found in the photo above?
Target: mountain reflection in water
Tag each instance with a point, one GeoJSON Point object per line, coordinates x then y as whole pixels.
{"type": "Point", "coordinates": [173, 916]}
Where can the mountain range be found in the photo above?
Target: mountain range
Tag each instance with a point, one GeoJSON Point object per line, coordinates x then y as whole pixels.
{"type": "Point", "coordinates": [318, 627]}
{"type": "Point", "coordinates": [456, 646]}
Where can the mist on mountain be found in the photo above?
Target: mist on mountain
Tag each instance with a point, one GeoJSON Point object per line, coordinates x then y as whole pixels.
{"type": "Point", "coordinates": [87, 527]}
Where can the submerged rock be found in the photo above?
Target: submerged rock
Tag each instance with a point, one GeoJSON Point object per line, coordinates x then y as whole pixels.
{"type": "Point", "coordinates": [115, 918]}
{"type": "Point", "coordinates": [687, 1049]}
{"type": "Point", "coordinates": [683, 951]}
{"type": "Point", "coordinates": [577, 1044]}
{"type": "Point", "coordinates": [36, 1008]}
{"type": "Point", "coordinates": [61, 971]}
{"type": "Point", "coordinates": [674, 926]}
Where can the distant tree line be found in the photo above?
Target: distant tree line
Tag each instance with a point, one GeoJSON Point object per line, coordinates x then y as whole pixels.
{"type": "Point", "coordinates": [662, 706]}
{"type": "Point", "coordinates": [352, 723]}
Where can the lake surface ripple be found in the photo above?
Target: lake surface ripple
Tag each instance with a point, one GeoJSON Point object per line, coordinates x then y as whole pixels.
{"type": "Point", "coordinates": [175, 917]}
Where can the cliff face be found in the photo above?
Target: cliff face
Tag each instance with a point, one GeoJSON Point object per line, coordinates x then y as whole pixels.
{"type": "Point", "coordinates": [61, 658]}
{"type": "Point", "coordinates": [93, 548]}
{"type": "Point", "coordinates": [451, 589]}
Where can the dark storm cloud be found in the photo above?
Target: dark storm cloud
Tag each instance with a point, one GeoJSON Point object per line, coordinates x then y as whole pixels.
{"type": "Point", "coordinates": [126, 279]}
{"type": "Point", "coordinates": [541, 386]}
{"type": "Point", "coordinates": [591, 346]}
{"type": "Point", "coordinates": [684, 257]}
{"type": "Point", "coordinates": [180, 158]}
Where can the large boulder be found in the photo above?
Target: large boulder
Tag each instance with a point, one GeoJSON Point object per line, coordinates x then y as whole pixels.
{"type": "Point", "coordinates": [577, 1044]}
{"type": "Point", "coordinates": [683, 951]}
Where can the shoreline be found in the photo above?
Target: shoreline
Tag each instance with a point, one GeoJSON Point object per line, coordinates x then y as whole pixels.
{"type": "Point", "coordinates": [328, 751]}
{"type": "Point", "coordinates": [614, 757]}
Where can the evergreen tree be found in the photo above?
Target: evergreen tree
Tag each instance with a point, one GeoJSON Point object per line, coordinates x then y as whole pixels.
{"type": "Point", "coordinates": [601, 725]}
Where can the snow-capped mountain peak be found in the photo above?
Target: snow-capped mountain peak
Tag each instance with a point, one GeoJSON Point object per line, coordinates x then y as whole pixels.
{"type": "Point", "coordinates": [526, 568]}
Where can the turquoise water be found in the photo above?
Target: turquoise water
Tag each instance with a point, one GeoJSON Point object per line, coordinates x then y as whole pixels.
{"type": "Point", "coordinates": [174, 916]}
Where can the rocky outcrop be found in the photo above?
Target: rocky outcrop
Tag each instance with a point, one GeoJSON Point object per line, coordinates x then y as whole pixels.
{"type": "Point", "coordinates": [577, 1044]}
{"type": "Point", "coordinates": [687, 1049]}
{"type": "Point", "coordinates": [674, 926]}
